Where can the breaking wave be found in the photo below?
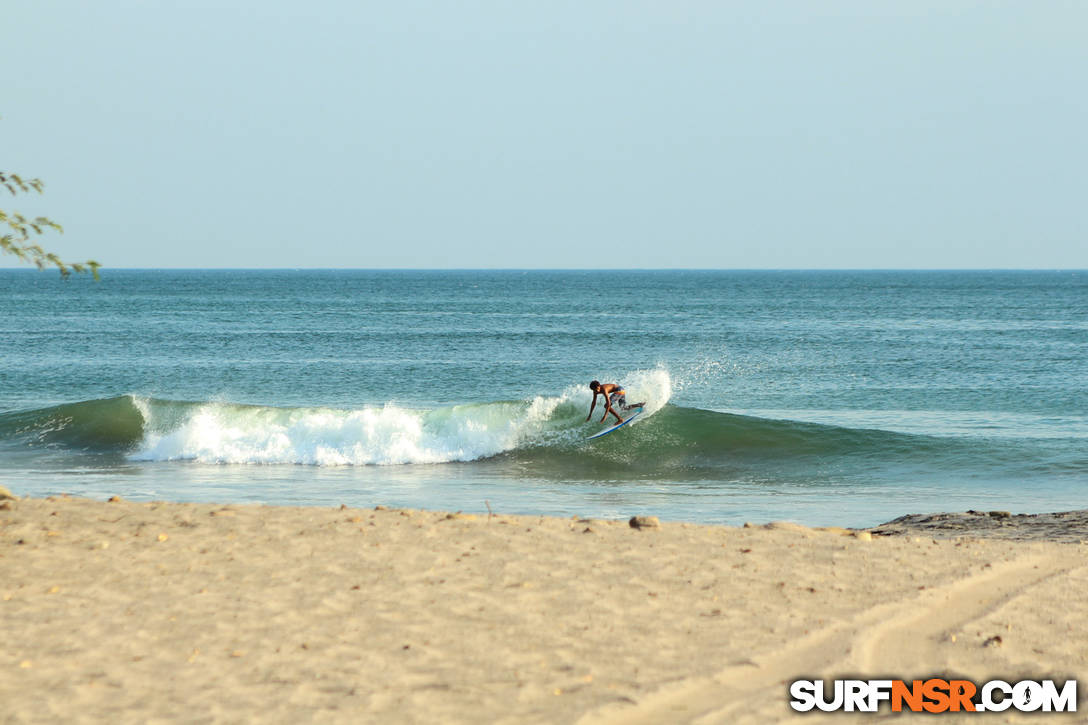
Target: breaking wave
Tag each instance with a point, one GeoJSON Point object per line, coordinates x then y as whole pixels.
{"type": "Point", "coordinates": [152, 429]}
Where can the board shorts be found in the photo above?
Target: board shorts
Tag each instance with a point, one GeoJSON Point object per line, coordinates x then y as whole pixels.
{"type": "Point", "coordinates": [618, 398]}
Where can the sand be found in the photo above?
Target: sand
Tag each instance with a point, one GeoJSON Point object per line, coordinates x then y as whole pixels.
{"type": "Point", "coordinates": [137, 612]}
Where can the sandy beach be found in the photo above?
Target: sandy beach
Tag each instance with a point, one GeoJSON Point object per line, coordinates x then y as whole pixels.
{"type": "Point", "coordinates": [140, 612]}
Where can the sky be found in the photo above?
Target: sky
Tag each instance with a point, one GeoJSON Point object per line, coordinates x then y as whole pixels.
{"type": "Point", "coordinates": [765, 134]}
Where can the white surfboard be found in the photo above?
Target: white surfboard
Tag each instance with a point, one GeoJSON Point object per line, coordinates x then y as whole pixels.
{"type": "Point", "coordinates": [626, 420]}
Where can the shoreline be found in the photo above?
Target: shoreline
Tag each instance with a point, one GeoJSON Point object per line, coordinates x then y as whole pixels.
{"type": "Point", "coordinates": [135, 611]}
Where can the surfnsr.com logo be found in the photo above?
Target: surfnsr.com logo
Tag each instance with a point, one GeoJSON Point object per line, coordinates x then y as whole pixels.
{"type": "Point", "coordinates": [934, 695]}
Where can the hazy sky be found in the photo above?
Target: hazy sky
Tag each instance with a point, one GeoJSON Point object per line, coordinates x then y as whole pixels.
{"type": "Point", "coordinates": [762, 134]}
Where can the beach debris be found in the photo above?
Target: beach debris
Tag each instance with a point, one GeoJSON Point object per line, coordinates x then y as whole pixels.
{"type": "Point", "coordinates": [379, 507]}
{"type": "Point", "coordinates": [115, 499]}
{"type": "Point", "coordinates": [592, 522]}
{"type": "Point", "coordinates": [644, 522]}
{"type": "Point", "coordinates": [786, 526]}
{"type": "Point", "coordinates": [163, 537]}
{"type": "Point", "coordinates": [8, 495]}
{"type": "Point", "coordinates": [863, 535]}
{"type": "Point", "coordinates": [1000, 514]}
{"type": "Point", "coordinates": [994, 641]}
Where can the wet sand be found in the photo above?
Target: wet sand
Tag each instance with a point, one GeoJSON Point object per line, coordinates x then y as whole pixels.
{"type": "Point", "coordinates": [132, 612]}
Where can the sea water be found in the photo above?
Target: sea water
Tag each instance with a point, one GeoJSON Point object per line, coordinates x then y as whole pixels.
{"type": "Point", "coordinates": [843, 398]}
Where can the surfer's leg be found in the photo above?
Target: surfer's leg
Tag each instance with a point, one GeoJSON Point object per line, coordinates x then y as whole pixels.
{"type": "Point", "coordinates": [617, 400]}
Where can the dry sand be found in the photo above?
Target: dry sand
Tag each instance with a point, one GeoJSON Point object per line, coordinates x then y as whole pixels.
{"type": "Point", "coordinates": [135, 612]}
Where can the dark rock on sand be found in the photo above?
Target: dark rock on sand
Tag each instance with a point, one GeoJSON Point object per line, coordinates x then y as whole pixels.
{"type": "Point", "coordinates": [1067, 526]}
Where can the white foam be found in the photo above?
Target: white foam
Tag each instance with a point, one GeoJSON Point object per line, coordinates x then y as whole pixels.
{"type": "Point", "coordinates": [222, 433]}
{"type": "Point", "coordinates": [652, 386]}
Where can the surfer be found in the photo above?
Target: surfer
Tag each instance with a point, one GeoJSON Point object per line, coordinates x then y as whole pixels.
{"type": "Point", "coordinates": [613, 394]}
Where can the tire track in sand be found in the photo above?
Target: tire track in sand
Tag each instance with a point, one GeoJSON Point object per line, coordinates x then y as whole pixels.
{"type": "Point", "coordinates": [901, 638]}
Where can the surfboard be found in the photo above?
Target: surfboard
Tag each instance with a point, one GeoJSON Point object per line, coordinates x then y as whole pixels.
{"type": "Point", "coordinates": [626, 420]}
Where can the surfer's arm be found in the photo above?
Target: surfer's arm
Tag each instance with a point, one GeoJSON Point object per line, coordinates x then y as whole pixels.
{"type": "Point", "coordinates": [593, 405]}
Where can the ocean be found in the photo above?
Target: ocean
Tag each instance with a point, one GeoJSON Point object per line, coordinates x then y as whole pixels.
{"type": "Point", "coordinates": [827, 398]}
